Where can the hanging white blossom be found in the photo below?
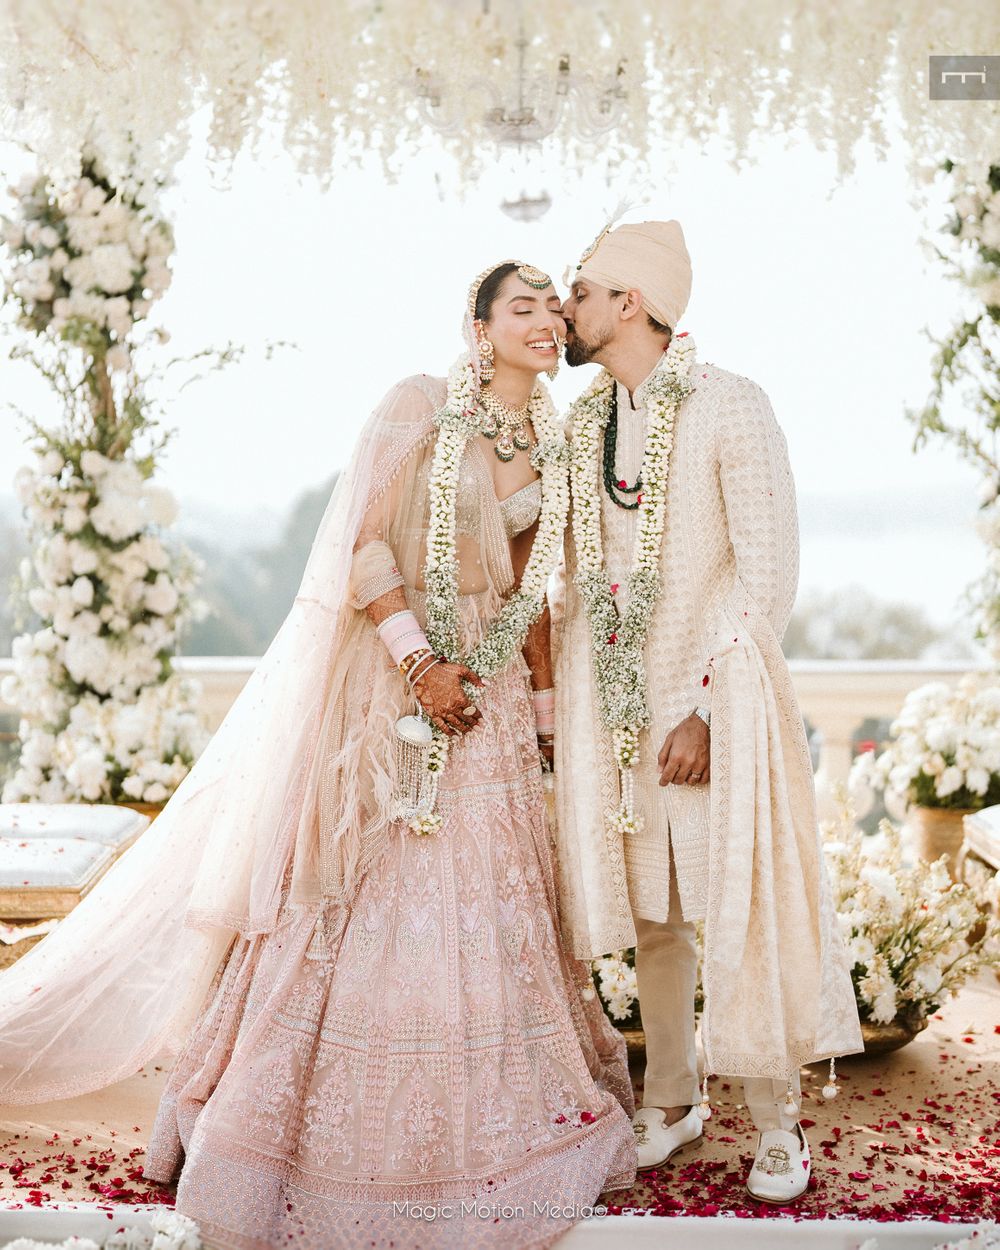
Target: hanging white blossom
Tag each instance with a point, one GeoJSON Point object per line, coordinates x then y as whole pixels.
{"type": "Point", "coordinates": [343, 80]}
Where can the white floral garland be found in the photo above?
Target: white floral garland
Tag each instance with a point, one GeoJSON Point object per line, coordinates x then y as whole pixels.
{"type": "Point", "coordinates": [457, 422]}
{"type": "Point", "coordinates": [617, 638]}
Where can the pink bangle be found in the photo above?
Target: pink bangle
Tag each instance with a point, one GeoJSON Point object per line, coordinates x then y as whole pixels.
{"type": "Point", "coordinates": [402, 635]}
{"type": "Point", "coordinates": [545, 710]}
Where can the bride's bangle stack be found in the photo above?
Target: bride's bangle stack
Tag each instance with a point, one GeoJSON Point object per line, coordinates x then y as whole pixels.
{"type": "Point", "coordinates": [545, 714]}
{"type": "Point", "coordinates": [407, 643]}
{"type": "Point", "coordinates": [402, 636]}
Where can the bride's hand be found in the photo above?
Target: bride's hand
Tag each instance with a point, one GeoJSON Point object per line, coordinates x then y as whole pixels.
{"type": "Point", "coordinates": [441, 696]}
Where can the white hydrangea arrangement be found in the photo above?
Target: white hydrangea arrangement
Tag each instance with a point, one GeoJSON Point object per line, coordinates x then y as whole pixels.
{"type": "Point", "coordinates": [89, 261]}
{"type": "Point", "coordinates": [103, 716]}
{"type": "Point", "coordinates": [914, 936]}
{"type": "Point", "coordinates": [945, 747]}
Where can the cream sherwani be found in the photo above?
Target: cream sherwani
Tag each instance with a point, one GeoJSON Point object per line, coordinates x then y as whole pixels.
{"type": "Point", "coordinates": [745, 848]}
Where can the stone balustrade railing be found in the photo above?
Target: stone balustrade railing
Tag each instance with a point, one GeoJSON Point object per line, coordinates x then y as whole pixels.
{"type": "Point", "coordinates": [835, 696]}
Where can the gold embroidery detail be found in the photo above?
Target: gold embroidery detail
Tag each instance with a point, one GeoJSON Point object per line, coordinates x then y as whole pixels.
{"type": "Point", "coordinates": [776, 1162]}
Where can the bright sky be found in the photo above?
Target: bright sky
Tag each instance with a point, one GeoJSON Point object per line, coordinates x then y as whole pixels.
{"type": "Point", "coordinates": [820, 293]}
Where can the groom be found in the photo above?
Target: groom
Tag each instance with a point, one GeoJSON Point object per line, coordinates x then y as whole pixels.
{"type": "Point", "coordinates": [715, 820]}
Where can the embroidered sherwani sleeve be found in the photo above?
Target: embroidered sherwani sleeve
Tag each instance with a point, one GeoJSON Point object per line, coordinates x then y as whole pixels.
{"type": "Point", "coordinates": [758, 491]}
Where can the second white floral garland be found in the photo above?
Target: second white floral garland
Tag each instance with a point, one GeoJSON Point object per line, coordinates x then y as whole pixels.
{"type": "Point", "coordinates": [457, 422]}
{"type": "Point", "coordinates": [618, 638]}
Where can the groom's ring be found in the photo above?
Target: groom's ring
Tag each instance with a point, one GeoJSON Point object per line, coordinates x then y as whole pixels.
{"type": "Point", "coordinates": [696, 776]}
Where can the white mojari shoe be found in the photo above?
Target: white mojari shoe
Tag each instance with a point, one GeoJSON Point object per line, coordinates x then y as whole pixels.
{"type": "Point", "coordinates": [780, 1171]}
{"type": "Point", "coordinates": [657, 1141]}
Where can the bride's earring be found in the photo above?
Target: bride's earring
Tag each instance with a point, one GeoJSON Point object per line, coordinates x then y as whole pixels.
{"type": "Point", "coordinates": [551, 373]}
{"type": "Point", "coordinates": [486, 366]}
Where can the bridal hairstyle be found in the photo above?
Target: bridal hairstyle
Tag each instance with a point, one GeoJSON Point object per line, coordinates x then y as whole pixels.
{"type": "Point", "coordinates": [489, 289]}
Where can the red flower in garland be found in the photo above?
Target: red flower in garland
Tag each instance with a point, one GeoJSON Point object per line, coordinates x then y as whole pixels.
{"type": "Point", "coordinates": [612, 639]}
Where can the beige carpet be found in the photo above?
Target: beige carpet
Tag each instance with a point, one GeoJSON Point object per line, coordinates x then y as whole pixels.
{"type": "Point", "coordinates": [913, 1133]}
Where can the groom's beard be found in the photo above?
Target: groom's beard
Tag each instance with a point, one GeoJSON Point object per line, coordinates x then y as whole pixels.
{"type": "Point", "coordinates": [580, 352]}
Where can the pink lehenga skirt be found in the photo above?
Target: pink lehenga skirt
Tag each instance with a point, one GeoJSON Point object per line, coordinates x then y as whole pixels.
{"type": "Point", "coordinates": [435, 1077]}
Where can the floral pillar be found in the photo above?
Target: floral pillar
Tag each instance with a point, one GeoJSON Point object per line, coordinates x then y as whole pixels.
{"type": "Point", "coordinates": [103, 715]}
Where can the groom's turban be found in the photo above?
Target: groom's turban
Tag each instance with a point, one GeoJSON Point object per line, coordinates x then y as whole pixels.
{"type": "Point", "coordinates": [649, 256]}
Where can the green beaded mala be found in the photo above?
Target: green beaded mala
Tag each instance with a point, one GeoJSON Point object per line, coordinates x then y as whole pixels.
{"type": "Point", "coordinates": [612, 483]}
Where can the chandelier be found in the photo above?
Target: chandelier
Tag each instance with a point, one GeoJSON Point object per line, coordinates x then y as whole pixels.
{"type": "Point", "coordinates": [521, 109]}
{"type": "Point", "coordinates": [527, 107]}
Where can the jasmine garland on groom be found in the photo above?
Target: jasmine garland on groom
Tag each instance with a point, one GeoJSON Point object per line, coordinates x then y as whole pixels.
{"type": "Point", "coordinates": [684, 782]}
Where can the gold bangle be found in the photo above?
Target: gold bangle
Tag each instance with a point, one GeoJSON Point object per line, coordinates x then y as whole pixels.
{"type": "Point", "coordinates": [408, 661]}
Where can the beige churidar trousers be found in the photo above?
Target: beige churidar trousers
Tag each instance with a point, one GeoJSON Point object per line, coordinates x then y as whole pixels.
{"type": "Point", "coordinates": [666, 969]}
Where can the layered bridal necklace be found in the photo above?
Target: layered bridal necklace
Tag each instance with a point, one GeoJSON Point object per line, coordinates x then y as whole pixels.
{"type": "Point", "coordinates": [618, 638]}
{"type": "Point", "coordinates": [507, 427]}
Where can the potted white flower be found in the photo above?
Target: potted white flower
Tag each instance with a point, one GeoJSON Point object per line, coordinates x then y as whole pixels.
{"type": "Point", "coordinates": [914, 936]}
{"type": "Point", "coordinates": [943, 761]}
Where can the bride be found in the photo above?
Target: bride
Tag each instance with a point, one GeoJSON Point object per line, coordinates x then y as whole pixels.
{"type": "Point", "coordinates": [347, 933]}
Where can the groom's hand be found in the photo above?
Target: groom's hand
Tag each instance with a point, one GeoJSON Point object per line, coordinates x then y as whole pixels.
{"type": "Point", "coordinates": [685, 755]}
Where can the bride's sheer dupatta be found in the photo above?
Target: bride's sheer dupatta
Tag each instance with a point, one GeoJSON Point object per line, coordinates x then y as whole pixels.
{"type": "Point", "coordinates": [302, 760]}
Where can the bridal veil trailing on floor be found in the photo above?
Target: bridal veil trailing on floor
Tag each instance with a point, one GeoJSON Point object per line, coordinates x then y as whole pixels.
{"type": "Point", "coordinates": [368, 1023]}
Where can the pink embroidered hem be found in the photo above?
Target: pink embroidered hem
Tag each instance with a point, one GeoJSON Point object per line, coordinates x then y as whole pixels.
{"type": "Point", "coordinates": [426, 1074]}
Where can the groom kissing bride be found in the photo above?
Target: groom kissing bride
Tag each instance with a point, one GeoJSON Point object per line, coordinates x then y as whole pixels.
{"type": "Point", "coordinates": [681, 569]}
{"type": "Point", "coordinates": [352, 930]}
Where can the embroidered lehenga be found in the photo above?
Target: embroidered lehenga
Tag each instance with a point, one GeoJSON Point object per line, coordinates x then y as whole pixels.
{"type": "Point", "coordinates": [421, 1040]}
{"type": "Point", "coordinates": [370, 1027]}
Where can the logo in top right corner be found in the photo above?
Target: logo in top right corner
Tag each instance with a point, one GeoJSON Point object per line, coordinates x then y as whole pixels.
{"type": "Point", "coordinates": [964, 77]}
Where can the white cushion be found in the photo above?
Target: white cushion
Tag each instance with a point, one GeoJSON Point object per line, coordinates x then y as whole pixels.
{"type": "Point", "coordinates": [106, 823]}
{"type": "Point", "coordinates": [51, 863]}
{"type": "Point", "coordinates": [982, 834]}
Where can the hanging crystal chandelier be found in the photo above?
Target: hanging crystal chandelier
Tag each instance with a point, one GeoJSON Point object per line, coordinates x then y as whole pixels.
{"type": "Point", "coordinates": [525, 207]}
{"type": "Point", "coordinates": [522, 107]}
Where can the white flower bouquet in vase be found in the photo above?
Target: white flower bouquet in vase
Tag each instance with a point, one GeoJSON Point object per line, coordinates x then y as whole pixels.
{"type": "Point", "coordinates": [943, 761]}
{"type": "Point", "coordinates": [914, 936]}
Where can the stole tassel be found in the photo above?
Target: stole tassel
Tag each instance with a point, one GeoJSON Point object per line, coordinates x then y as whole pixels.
{"type": "Point", "coordinates": [318, 949]}
{"type": "Point", "coordinates": [705, 1106]}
